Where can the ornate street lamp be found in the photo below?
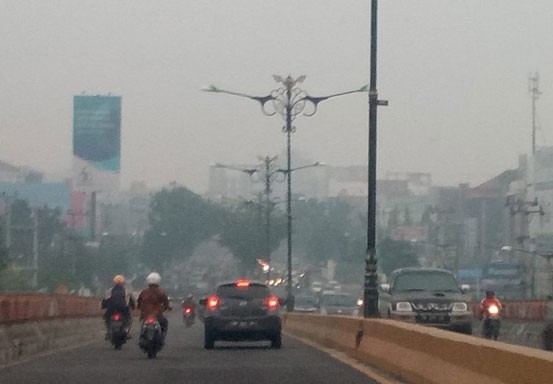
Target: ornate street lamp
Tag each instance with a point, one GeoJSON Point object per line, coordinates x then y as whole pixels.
{"type": "Point", "coordinates": [288, 101]}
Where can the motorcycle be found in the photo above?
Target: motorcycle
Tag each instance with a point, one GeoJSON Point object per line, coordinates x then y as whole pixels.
{"type": "Point", "coordinates": [492, 322]}
{"type": "Point", "coordinates": [117, 331]}
{"type": "Point", "coordinates": [150, 340]}
{"type": "Point", "coordinates": [188, 316]}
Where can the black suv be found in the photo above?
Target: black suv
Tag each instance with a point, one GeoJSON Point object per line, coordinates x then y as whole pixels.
{"type": "Point", "coordinates": [429, 296]}
{"type": "Point", "coordinates": [242, 310]}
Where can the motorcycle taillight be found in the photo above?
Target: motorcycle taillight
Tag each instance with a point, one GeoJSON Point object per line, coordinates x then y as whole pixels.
{"type": "Point", "coordinates": [150, 320]}
{"type": "Point", "coordinates": [187, 310]}
{"type": "Point", "coordinates": [116, 317]}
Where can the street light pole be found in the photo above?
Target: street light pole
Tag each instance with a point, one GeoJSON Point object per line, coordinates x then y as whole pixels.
{"type": "Point", "coordinates": [269, 173]}
{"type": "Point", "coordinates": [370, 294]}
{"type": "Point", "coordinates": [288, 101]}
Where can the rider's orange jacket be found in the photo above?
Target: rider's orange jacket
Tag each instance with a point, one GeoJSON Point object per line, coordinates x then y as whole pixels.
{"type": "Point", "coordinates": [487, 302]}
{"type": "Point", "coordinates": [152, 300]}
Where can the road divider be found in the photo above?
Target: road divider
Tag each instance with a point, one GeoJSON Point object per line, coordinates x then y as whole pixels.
{"type": "Point", "coordinates": [19, 341]}
{"type": "Point", "coordinates": [419, 354]}
{"type": "Point", "coordinates": [32, 323]}
{"type": "Point", "coordinates": [38, 306]}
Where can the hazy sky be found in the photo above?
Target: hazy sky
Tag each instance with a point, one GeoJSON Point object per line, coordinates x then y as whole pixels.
{"type": "Point", "coordinates": [455, 73]}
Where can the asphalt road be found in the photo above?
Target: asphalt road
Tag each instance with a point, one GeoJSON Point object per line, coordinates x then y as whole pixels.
{"type": "Point", "coordinates": [184, 360]}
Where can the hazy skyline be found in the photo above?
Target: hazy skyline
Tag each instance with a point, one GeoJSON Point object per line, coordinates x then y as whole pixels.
{"type": "Point", "coordinates": [455, 74]}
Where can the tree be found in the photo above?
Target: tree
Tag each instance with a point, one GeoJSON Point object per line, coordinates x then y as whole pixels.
{"type": "Point", "coordinates": [393, 254]}
{"type": "Point", "coordinates": [244, 233]}
{"type": "Point", "coordinates": [179, 221]}
{"type": "Point", "coordinates": [18, 258]}
{"type": "Point", "coordinates": [323, 230]}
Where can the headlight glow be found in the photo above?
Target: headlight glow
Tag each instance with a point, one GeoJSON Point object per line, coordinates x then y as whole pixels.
{"type": "Point", "coordinates": [460, 307]}
{"type": "Point", "coordinates": [403, 306]}
{"type": "Point", "coordinates": [493, 310]}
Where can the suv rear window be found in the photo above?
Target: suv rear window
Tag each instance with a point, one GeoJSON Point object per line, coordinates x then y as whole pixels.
{"type": "Point", "coordinates": [425, 281]}
{"type": "Point", "coordinates": [253, 291]}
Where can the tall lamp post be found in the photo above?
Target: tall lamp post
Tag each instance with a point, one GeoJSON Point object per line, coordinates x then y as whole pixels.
{"type": "Point", "coordinates": [288, 101]}
{"type": "Point", "coordinates": [269, 173]}
{"type": "Point", "coordinates": [370, 293]}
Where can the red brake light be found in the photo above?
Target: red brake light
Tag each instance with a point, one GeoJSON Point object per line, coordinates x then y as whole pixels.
{"type": "Point", "coordinates": [187, 310]}
{"type": "Point", "coordinates": [272, 303]}
{"type": "Point", "coordinates": [116, 316]}
{"type": "Point", "coordinates": [150, 320]}
{"type": "Point", "coordinates": [212, 302]}
{"type": "Point", "coordinates": [242, 283]}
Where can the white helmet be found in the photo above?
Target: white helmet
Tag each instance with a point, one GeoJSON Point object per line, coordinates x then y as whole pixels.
{"type": "Point", "coordinates": [153, 278]}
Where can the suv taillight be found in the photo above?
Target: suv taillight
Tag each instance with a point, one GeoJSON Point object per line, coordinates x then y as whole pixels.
{"type": "Point", "coordinates": [213, 302]}
{"type": "Point", "coordinates": [272, 303]}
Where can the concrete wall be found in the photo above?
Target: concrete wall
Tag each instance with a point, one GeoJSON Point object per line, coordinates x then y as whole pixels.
{"type": "Point", "coordinates": [419, 354]}
{"type": "Point", "coordinates": [19, 341]}
{"type": "Point", "coordinates": [38, 306]}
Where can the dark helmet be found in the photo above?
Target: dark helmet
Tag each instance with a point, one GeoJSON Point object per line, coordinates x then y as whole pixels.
{"type": "Point", "coordinates": [490, 293]}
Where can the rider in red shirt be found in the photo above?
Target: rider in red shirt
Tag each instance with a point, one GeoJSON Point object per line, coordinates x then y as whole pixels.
{"type": "Point", "coordinates": [488, 301]}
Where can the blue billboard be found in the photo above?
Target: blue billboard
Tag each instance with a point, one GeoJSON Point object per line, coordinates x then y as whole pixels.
{"type": "Point", "coordinates": [96, 142]}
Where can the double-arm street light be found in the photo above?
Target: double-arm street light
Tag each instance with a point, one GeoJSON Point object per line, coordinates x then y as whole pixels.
{"type": "Point", "coordinates": [288, 100]}
{"type": "Point", "coordinates": [269, 173]}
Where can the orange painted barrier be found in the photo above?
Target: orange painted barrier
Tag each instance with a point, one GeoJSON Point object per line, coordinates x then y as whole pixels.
{"type": "Point", "coordinates": [37, 306]}
{"type": "Point", "coordinates": [424, 355]}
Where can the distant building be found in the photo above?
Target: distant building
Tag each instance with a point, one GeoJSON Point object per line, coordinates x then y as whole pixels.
{"type": "Point", "coordinates": [13, 174]}
{"type": "Point", "coordinates": [53, 195]}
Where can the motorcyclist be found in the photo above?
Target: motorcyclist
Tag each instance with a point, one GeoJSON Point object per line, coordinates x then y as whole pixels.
{"type": "Point", "coordinates": [487, 302]}
{"type": "Point", "coordinates": [154, 300]}
{"type": "Point", "coordinates": [118, 303]}
{"type": "Point", "coordinates": [189, 302]}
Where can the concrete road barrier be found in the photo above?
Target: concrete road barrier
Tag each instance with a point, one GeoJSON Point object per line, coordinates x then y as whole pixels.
{"type": "Point", "coordinates": [19, 341]}
{"type": "Point", "coordinates": [419, 354]}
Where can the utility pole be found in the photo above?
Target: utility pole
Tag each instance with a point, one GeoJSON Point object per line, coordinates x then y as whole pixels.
{"type": "Point", "coordinates": [34, 281]}
{"type": "Point", "coordinates": [8, 224]}
{"type": "Point", "coordinates": [269, 172]}
{"type": "Point", "coordinates": [534, 89]}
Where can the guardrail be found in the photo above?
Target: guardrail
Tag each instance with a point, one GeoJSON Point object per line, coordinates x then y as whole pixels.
{"type": "Point", "coordinates": [37, 306]}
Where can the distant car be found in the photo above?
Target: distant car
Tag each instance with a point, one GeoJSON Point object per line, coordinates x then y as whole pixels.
{"type": "Point", "coordinates": [429, 296]}
{"type": "Point", "coordinates": [338, 303]}
{"type": "Point", "coordinates": [305, 303]}
{"type": "Point", "coordinates": [242, 310]}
